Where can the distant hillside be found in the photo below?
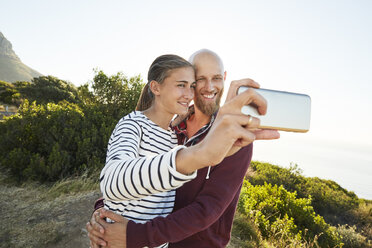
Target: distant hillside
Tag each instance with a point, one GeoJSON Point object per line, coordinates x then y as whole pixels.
{"type": "Point", "coordinates": [11, 67]}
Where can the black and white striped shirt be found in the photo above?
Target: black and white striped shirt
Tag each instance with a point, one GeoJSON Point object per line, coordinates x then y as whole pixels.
{"type": "Point", "coordinates": [140, 177]}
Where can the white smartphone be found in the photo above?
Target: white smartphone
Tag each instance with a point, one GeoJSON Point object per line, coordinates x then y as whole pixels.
{"type": "Point", "coordinates": [286, 111]}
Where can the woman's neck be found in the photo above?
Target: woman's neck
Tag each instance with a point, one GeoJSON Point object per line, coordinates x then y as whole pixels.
{"type": "Point", "coordinates": [159, 117]}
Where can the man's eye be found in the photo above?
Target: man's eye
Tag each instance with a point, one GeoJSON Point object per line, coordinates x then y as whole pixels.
{"type": "Point", "coordinates": [218, 78]}
{"type": "Point", "coordinates": [199, 79]}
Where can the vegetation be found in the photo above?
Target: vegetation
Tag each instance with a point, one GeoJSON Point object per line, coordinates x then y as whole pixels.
{"type": "Point", "coordinates": [9, 94]}
{"type": "Point", "coordinates": [64, 131]}
{"type": "Point", "coordinates": [279, 213]}
{"type": "Point", "coordinates": [279, 207]}
{"type": "Point", "coordinates": [328, 197]}
{"type": "Point", "coordinates": [57, 144]}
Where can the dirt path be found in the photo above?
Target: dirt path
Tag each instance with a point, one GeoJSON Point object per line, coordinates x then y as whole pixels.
{"type": "Point", "coordinates": [31, 219]}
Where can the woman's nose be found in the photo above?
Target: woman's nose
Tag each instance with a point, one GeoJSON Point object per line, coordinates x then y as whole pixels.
{"type": "Point", "coordinates": [189, 94]}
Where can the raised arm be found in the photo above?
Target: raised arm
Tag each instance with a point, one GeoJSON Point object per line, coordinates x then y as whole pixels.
{"type": "Point", "coordinates": [127, 176]}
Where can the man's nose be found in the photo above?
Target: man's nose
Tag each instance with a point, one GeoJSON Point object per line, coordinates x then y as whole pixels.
{"type": "Point", "coordinates": [209, 85]}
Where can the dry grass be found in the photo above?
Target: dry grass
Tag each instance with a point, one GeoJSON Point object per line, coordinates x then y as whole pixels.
{"type": "Point", "coordinates": [38, 216]}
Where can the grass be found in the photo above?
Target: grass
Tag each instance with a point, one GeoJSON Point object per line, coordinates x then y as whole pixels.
{"type": "Point", "coordinates": [72, 186]}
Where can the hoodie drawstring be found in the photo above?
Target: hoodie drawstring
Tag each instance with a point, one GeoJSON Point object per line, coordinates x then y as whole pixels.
{"type": "Point", "coordinates": [209, 170]}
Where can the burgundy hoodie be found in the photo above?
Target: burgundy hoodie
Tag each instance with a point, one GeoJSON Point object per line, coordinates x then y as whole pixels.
{"type": "Point", "coordinates": [204, 209]}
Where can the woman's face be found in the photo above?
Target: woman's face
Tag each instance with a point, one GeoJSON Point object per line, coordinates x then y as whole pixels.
{"type": "Point", "coordinates": [177, 90]}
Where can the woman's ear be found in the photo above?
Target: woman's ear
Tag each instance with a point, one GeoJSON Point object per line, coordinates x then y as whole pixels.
{"type": "Point", "coordinates": [155, 87]}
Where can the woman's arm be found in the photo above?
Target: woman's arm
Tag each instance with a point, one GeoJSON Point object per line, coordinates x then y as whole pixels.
{"type": "Point", "coordinates": [127, 176]}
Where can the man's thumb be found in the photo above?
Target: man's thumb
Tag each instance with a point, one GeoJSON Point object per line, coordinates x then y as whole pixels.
{"type": "Point", "coordinates": [111, 215]}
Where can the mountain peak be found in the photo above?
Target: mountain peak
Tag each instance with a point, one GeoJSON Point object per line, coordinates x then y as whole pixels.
{"type": "Point", "coordinates": [11, 67]}
{"type": "Point", "coordinates": [6, 48]}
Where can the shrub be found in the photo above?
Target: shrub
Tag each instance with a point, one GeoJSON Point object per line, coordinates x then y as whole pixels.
{"type": "Point", "coordinates": [277, 211]}
{"type": "Point", "coordinates": [46, 89]}
{"type": "Point", "coordinates": [9, 94]}
{"type": "Point", "coordinates": [327, 196]}
{"type": "Point", "coordinates": [44, 137]}
{"type": "Point", "coordinates": [351, 238]}
{"type": "Point", "coordinates": [51, 141]}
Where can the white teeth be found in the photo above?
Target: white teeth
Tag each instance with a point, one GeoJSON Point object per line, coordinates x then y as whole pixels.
{"type": "Point", "coordinates": [209, 96]}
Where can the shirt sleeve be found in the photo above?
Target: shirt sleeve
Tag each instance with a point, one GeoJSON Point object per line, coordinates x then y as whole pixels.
{"type": "Point", "coordinates": [216, 195]}
{"type": "Point", "coordinates": [127, 176]}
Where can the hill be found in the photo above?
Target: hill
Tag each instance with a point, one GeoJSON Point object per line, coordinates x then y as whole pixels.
{"type": "Point", "coordinates": [54, 215]}
{"type": "Point", "coordinates": [11, 67]}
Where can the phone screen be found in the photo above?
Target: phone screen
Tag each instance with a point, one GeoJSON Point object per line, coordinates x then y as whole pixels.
{"type": "Point", "coordinates": [286, 111]}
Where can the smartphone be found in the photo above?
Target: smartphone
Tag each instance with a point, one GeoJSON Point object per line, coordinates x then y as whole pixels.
{"type": "Point", "coordinates": [286, 111]}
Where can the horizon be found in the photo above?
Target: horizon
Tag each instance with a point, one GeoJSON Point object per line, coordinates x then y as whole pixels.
{"type": "Point", "coordinates": [320, 49]}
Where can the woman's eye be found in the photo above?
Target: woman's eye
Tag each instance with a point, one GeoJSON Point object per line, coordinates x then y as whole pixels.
{"type": "Point", "coordinates": [193, 85]}
{"type": "Point", "coordinates": [181, 85]}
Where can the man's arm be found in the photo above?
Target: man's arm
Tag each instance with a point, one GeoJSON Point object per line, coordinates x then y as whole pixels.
{"type": "Point", "coordinates": [216, 195]}
{"type": "Point", "coordinates": [230, 114]}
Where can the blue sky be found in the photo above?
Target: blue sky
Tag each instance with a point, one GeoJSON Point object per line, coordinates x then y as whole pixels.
{"type": "Point", "coordinates": [320, 48]}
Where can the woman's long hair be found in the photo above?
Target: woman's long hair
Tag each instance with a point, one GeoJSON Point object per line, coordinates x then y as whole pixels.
{"type": "Point", "coordinates": [159, 70]}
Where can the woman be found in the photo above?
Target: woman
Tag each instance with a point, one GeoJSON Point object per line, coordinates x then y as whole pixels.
{"type": "Point", "coordinates": [140, 177]}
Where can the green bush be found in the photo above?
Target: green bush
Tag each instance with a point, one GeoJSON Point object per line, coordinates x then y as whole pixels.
{"type": "Point", "coordinates": [46, 89]}
{"type": "Point", "coordinates": [327, 196]}
{"type": "Point", "coordinates": [44, 136]}
{"type": "Point", "coordinates": [9, 94]}
{"type": "Point", "coordinates": [48, 140]}
{"type": "Point", "coordinates": [278, 212]}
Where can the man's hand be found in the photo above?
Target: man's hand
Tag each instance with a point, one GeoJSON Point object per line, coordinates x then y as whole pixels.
{"type": "Point", "coordinates": [95, 231]}
{"type": "Point", "coordinates": [115, 234]}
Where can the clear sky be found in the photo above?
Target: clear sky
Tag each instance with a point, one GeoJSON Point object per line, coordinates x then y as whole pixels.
{"type": "Point", "coordinates": [320, 48]}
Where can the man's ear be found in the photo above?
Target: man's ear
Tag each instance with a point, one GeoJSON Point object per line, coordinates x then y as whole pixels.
{"type": "Point", "coordinates": [224, 76]}
{"type": "Point", "coordinates": [155, 87]}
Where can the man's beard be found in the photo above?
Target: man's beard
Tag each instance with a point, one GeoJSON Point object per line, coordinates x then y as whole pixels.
{"type": "Point", "coordinates": [210, 108]}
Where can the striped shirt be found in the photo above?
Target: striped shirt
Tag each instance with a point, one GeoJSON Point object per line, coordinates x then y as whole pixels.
{"type": "Point", "coordinates": [139, 178]}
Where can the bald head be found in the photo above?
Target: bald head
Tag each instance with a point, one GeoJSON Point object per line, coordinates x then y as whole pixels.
{"type": "Point", "coordinates": [210, 77]}
{"type": "Point", "coordinates": [205, 56]}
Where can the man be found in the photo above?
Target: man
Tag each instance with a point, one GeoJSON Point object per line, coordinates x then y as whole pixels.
{"type": "Point", "coordinates": [204, 207]}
